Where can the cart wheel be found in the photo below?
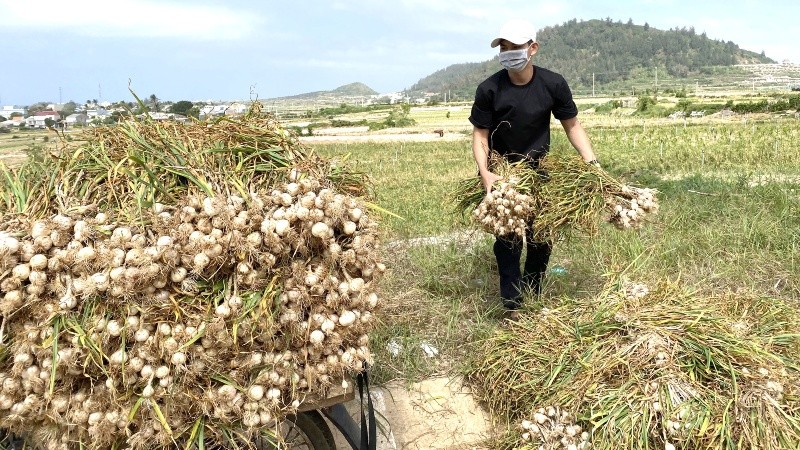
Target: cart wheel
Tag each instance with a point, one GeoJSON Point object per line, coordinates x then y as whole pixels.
{"type": "Point", "coordinates": [11, 442]}
{"type": "Point", "coordinates": [305, 431]}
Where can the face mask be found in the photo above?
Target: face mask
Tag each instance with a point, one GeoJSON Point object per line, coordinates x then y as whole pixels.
{"type": "Point", "coordinates": [514, 60]}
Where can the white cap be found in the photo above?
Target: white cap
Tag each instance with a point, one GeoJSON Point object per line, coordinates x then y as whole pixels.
{"type": "Point", "coordinates": [517, 32]}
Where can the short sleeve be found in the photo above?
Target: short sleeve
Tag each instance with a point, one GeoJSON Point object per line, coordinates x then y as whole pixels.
{"type": "Point", "coordinates": [563, 106]}
{"type": "Point", "coordinates": [481, 115]}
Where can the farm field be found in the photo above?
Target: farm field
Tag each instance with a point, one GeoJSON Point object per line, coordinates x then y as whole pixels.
{"type": "Point", "coordinates": [729, 222]}
{"type": "Point", "coordinates": [14, 146]}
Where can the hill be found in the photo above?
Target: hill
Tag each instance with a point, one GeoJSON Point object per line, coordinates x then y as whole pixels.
{"type": "Point", "coordinates": [610, 52]}
{"type": "Point", "coordinates": [355, 89]}
{"type": "Point", "coordinates": [348, 90]}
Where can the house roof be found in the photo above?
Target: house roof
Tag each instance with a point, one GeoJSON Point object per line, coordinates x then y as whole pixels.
{"type": "Point", "coordinates": [45, 113]}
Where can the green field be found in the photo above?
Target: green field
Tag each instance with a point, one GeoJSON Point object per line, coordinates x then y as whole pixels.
{"type": "Point", "coordinates": [729, 221]}
{"type": "Point", "coordinates": [16, 144]}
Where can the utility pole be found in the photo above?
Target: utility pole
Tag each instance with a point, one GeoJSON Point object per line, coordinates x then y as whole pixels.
{"type": "Point", "coordinates": [592, 84]}
{"type": "Point", "coordinates": [59, 95]}
{"type": "Point", "coordinates": [656, 91]}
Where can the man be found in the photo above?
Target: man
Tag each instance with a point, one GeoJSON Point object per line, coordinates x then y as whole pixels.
{"type": "Point", "coordinates": [511, 115]}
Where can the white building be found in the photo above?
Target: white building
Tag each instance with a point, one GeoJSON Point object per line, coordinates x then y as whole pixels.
{"type": "Point", "coordinates": [39, 119]}
{"type": "Point", "coordinates": [213, 110]}
{"type": "Point", "coordinates": [98, 113]}
{"type": "Point", "coordinates": [76, 119]}
{"type": "Point", "coordinates": [236, 109]}
{"type": "Point", "coordinates": [6, 111]}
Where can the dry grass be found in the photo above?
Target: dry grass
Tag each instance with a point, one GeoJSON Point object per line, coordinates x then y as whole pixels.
{"type": "Point", "coordinates": [640, 368]}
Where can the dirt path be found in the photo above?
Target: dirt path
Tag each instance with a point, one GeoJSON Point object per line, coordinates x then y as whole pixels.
{"type": "Point", "coordinates": [435, 414]}
{"type": "Point", "coordinates": [392, 137]}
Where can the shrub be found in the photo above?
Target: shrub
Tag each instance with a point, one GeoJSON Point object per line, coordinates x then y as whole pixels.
{"type": "Point", "coordinates": [644, 103]}
{"type": "Point", "coordinates": [609, 106]}
{"type": "Point", "coordinates": [750, 107]}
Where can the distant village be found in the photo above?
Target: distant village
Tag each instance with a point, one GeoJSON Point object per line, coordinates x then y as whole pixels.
{"type": "Point", "coordinates": [100, 113]}
{"type": "Point", "coordinates": [94, 113]}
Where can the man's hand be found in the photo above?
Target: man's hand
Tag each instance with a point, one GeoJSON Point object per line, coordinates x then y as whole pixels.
{"type": "Point", "coordinates": [488, 179]}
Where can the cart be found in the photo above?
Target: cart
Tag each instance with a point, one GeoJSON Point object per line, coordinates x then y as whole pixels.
{"type": "Point", "coordinates": [306, 430]}
{"type": "Point", "coordinates": [309, 429]}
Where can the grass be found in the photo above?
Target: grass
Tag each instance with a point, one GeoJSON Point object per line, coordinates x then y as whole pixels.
{"type": "Point", "coordinates": [412, 180]}
{"type": "Point", "coordinates": [730, 209]}
{"type": "Point", "coordinates": [728, 225]}
{"type": "Point", "coordinates": [16, 145]}
{"type": "Point", "coordinates": [448, 117]}
{"type": "Point", "coordinates": [716, 231]}
{"type": "Point", "coordinates": [609, 359]}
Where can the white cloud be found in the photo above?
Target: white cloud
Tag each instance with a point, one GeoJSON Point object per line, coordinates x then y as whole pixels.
{"type": "Point", "coordinates": [128, 18]}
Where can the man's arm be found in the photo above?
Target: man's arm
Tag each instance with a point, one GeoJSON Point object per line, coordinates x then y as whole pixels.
{"type": "Point", "coordinates": [480, 150]}
{"type": "Point", "coordinates": [578, 138]}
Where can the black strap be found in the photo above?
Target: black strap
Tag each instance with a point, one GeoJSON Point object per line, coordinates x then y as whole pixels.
{"type": "Point", "coordinates": [368, 429]}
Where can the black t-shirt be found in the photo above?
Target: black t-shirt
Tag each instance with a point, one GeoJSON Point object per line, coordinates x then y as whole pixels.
{"type": "Point", "coordinates": [518, 117]}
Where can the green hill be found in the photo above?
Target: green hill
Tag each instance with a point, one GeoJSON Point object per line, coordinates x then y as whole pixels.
{"type": "Point", "coordinates": [611, 52]}
{"type": "Point", "coordinates": [348, 90]}
{"type": "Point", "coordinates": [355, 89]}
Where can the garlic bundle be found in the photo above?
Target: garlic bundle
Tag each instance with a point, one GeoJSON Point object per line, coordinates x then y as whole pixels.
{"type": "Point", "coordinates": [553, 428]}
{"type": "Point", "coordinates": [631, 206]}
{"type": "Point", "coordinates": [634, 291]}
{"type": "Point", "coordinates": [504, 211]}
{"type": "Point", "coordinates": [230, 308]}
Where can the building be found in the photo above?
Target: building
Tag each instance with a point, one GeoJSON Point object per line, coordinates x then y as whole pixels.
{"type": "Point", "coordinates": [7, 111]}
{"type": "Point", "coordinates": [76, 119]}
{"type": "Point", "coordinates": [97, 113]}
{"type": "Point", "coordinates": [236, 109]}
{"type": "Point", "coordinates": [213, 111]}
{"type": "Point", "coordinates": [39, 119]}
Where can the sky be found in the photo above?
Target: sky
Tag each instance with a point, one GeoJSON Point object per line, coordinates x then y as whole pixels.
{"type": "Point", "coordinates": [203, 50]}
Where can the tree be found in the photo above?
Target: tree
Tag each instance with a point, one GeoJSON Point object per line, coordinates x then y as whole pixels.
{"type": "Point", "coordinates": [182, 107]}
{"type": "Point", "coordinates": [69, 108]}
{"type": "Point", "coordinates": [154, 102]}
{"type": "Point", "coordinates": [36, 107]}
{"type": "Point", "coordinates": [118, 116]}
{"type": "Point", "coordinates": [2, 119]}
{"type": "Point", "coordinates": [644, 103]}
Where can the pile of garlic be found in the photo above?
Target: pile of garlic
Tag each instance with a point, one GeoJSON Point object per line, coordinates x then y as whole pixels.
{"type": "Point", "coordinates": [229, 308]}
{"type": "Point", "coordinates": [554, 428]}
{"type": "Point", "coordinates": [504, 211]}
{"type": "Point", "coordinates": [634, 291]}
{"type": "Point", "coordinates": [631, 207]}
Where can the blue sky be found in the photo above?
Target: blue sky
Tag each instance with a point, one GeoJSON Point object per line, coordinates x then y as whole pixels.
{"type": "Point", "coordinates": [237, 49]}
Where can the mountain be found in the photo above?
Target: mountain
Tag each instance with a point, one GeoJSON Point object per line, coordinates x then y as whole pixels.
{"type": "Point", "coordinates": [348, 90]}
{"type": "Point", "coordinates": [607, 51]}
{"type": "Point", "coordinates": [355, 89]}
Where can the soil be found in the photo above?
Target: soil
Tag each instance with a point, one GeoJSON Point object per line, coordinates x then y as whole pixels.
{"type": "Point", "coordinates": [435, 414]}
{"type": "Point", "coordinates": [352, 137]}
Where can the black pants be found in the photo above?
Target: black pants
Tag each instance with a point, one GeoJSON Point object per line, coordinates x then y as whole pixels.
{"type": "Point", "coordinates": [513, 282]}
